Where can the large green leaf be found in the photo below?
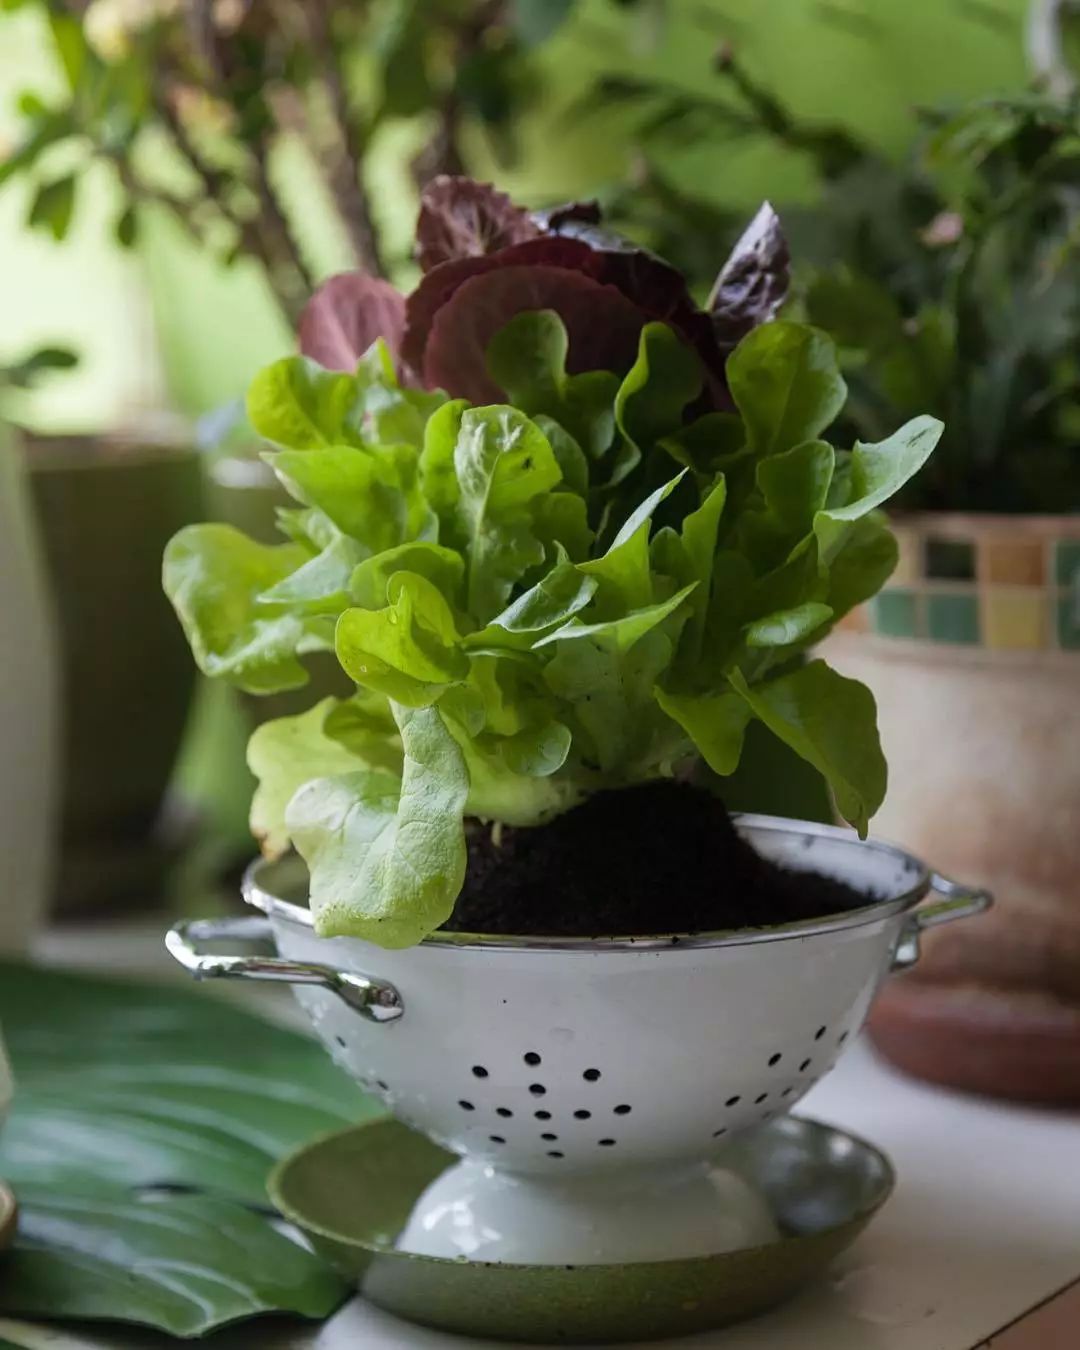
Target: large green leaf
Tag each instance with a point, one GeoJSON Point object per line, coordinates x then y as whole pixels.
{"type": "Point", "coordinates": [126, 1094]}
{"type": "Point", "coordinates": [875, 472]}
{"type": "Point", "coordinates": [831, 722]}
{"type": "Point", "coordinates": [786, 382]}
{"type": "Point", "coordinates": [183, 1264]}
{"type": "Point", "coordinates": [715, 722]}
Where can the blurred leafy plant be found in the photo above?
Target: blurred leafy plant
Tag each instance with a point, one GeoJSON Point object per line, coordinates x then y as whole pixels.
{"type": "Point", "coordinates": [214, 86]}
{"type": "Point", "coordinates": [951, 280]}
{"type": "Point", "coordinates": [26, 372]}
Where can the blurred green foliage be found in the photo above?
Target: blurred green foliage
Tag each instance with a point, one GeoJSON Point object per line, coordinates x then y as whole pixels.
{"type": "Point", "coordinates": [950, 277]}
{"type": "Point", "coordinates": [495, 87]}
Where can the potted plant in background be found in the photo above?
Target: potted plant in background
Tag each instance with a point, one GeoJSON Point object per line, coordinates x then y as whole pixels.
{"type": "Point", "coordinates": [105, 505]}
{"type": "Point", "coordinates": [28, 693]}
{"type": "Point", "coordinates": [568, 534]}
{"type": "Point", "coordinates": [974, 646]}
{"type": "Point", "coordinates": [949, 281]}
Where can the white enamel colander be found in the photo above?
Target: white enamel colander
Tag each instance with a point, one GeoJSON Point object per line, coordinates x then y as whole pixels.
{"type": "Point", "coordinates": [582, 1081]}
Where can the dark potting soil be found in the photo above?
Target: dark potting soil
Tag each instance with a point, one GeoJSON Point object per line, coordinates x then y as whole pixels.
{"type": "Point", "coordinates": [663, 857]}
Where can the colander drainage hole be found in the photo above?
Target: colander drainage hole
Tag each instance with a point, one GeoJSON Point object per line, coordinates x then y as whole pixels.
{"type": "Point", "coordinates": [787, 1092]}
{"type": "Point", "coordinates": [554, 1153]}
{"type": "Point", "coordinates": [496, 1139]}
{"type": "Point", "coordinates": [774, 1060]}
{"type": "Point", "coordinates": [537, 1089]}
{"type": "Point", "coordinates": [542, 1115]}
{"type": "Point", "coordinates": [551, 1138]}
{"type": "Point", "coordinates": [733, 1101]}
{"type": "Point", "coordinates": [341, 1041]}
{"type": "Point", "coordinates": [623, 1110]}
{"type": "Point", "coordinates": [819, 1033]}
{"type": "Point", "coordinates": [479, 1071]}
{"type": "Point", "coordinates": [605, 1143]}
{"type": "Point", "coordinates": [383, 1086]}
{"type": "Point", "coordinates": [504, 1111]}
{"type": "Point", "coordinates": [591, 1075]}
{"type": "Point", "coordinates": [763, 1098]}
{"type": "Point", "coordinates": [582, 1115]}
{"type": "Point", "coordinates": [843, 1037]}
{"type": "Point", "coordinates": [531, 1058]}
{"type": "Point", "coordinates": [717, 1133]}
{"type": "Point", "coordinates": [466, 1106]}
{"type": "Point", "coordinates": [804, 1065]}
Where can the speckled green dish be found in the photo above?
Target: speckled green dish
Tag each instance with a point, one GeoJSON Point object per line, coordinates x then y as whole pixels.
{"type": "Point", "coordinates": [351, 1193]}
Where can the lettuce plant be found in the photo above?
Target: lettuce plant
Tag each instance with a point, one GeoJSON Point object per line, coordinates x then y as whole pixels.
{"type": "Point", "coordinates": [592, 582]}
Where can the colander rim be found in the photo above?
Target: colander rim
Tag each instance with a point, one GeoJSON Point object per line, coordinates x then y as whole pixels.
{"type": "Point", "coordinates": [260, 897]}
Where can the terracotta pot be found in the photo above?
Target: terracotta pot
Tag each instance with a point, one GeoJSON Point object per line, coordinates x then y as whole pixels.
{"type": "Point", "coordinates": [973, 654]}
{"type": "Point", "coordinates": [106, 508]}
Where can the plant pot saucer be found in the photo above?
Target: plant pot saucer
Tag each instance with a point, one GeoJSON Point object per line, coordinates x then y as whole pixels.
{"type": "Point", "coordinates": [9, 1216]}
{"type": "Point", "coordinates": [352, 1193]}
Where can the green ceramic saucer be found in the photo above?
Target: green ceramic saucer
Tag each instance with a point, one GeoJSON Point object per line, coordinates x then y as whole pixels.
{"type": "Point", "coordinates": [351, 1193]}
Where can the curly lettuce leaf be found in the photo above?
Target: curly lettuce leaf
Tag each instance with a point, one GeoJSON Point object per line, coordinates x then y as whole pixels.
{"type": "Point", "coordinates": [386, 854]}
{"type": "Point", "coordinates": [502, 464]}
{"type": "Point", "coordinates": [216, 578]}
{"type": "Point", "coordinates": [410, 650]}
{"type": "Point", "coordinates": [284, 754]}
{"type": "Point", "coordinates": [298, 405]}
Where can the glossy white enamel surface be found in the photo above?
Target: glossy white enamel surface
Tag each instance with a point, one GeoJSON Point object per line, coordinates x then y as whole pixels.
{"type": "Point", "coordinates": [485, 1214]}
{"type": "Point", "coordinates": [566, 1067]}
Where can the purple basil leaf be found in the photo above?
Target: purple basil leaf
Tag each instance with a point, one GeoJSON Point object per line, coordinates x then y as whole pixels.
{"type": "Point", "coordinates": [602, 325]}
{"type": "Point", "coordinates": [753, 283]}
{"type": "Point", "coordinates": [463, 219]}
{"type": "Point", "coordinates": [345, 316]}
{"type": "Point", "coordinates": [437, 286]}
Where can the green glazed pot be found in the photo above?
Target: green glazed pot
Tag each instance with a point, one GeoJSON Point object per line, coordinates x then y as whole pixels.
{"type": "Point", "coordinates": [106, 509]}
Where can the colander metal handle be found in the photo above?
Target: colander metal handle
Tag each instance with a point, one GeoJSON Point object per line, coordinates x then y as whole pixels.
{"type": "Point", "coordinates": [374, 999]}
{"type": "Point", "coordinates": [958, 902]}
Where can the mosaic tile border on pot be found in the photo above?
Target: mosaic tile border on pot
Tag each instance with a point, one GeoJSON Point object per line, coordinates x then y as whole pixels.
{"type": "Point", "coordinates": [1001, 588]}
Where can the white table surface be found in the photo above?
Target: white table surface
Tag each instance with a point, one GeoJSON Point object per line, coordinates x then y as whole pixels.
{"type": "Point", "coordinates": [983, 1226]}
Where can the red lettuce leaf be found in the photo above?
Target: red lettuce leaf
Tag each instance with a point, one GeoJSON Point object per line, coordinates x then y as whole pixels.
{"type": "Point", "coordinates": [460, 218]}
{"type": "Point", "coordinates": [602, 325]}
{"type": "Point", "coordinates": [437, 286]}
{"type": "Point", "coordinates": [753, 284]}
{"type": "Point", "coordinates": [345, 316]}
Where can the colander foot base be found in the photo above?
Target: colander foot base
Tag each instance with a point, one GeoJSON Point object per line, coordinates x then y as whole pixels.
{"type": "Point", "coordinates": [586, 1218]}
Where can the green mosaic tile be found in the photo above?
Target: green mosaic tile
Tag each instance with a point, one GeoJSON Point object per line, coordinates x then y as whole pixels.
{"type": "Point", "coordinates": [950, 559]}
{"type": "Point", "coordinates": [952, 618]}
{"type": "Point", "coordinates": [1069, 621]}
{"type": "Point", "coordinates": [896, 614]}
{"type": "Point", "coordinates": [1068, 562]}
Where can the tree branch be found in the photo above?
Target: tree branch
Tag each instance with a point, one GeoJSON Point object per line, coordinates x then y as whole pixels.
{"type": "Point", "coordinates": [289, 274]}
{"type": "Point", "coordinates": [343, 164]}
{"type": "Point", "coordinates": [215, 183]}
